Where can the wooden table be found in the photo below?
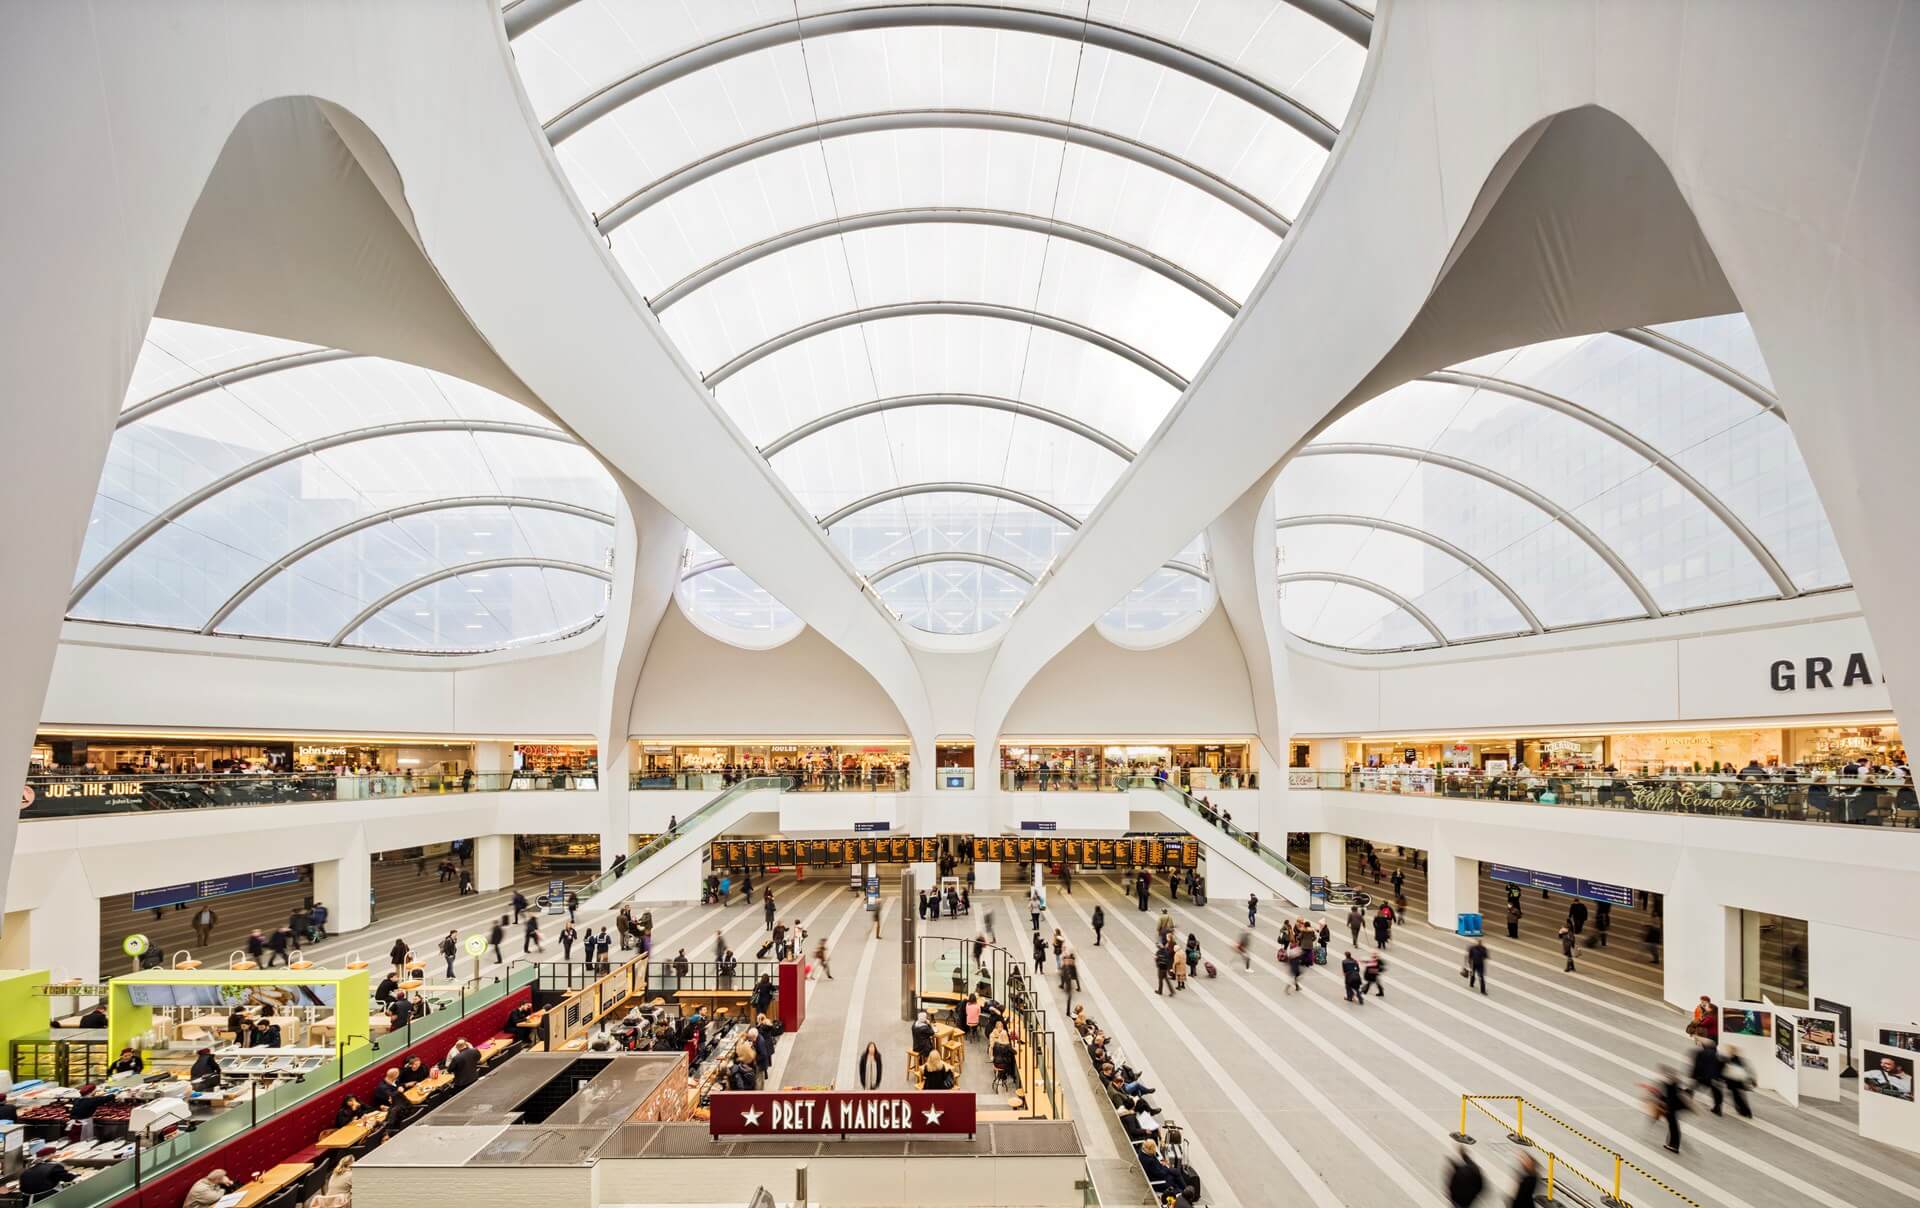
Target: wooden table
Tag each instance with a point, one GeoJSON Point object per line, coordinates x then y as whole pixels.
{"type": "Point", "coordinates": [493, 1048]}
{"type": "Point", "coordinates": [419, 1092]}
{"type": "Point", "coordinates": [354, 1133]}
{"type": "Point", "coordinates": [272, 1181]}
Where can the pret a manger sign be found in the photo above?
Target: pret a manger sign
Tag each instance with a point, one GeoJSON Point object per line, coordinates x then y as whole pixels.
{"type": "Point", "coordinates": [840, 1113]}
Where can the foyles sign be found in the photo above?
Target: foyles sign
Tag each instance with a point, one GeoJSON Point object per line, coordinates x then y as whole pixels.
{"type": "Point", "coordinates": [1818, 671]}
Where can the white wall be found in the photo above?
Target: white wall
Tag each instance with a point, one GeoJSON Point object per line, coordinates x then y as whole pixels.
{"type": "Point", "coordinates": [1195, 686]}
{"type": "Point", "coordinates": [1704, 667]}
{"type": "Point", "coordinates": [113, 676]}
{"type": "Point", "coordinates": [695, 685]}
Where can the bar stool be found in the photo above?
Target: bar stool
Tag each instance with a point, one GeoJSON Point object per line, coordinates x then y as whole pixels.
{"type": "Point", "coordinates": [183, 959]}
{"type": "Point", "coordinates": [302, 963]}
{"type": "Point", "coordinates": [237, 959]}
{"type": "Point", "coordinates": [354, 961]}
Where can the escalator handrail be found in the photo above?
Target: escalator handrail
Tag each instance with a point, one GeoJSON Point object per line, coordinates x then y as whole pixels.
{"type": "Point", "coordinates": [1276, 859]}
{"type": "Point", "coordinates": [660, 843]}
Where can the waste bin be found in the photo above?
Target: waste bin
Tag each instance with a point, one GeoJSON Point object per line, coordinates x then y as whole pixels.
{"type": "Point", "coordinates": [1469, 924]}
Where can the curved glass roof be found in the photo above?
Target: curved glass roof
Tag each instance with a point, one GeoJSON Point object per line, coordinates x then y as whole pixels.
{"type": "Point", "coordinates": [948, 266]}
{"type": "Point", "coordinates": [1598, 478]}
{"type": "Point", "coordinates": [263, 488]}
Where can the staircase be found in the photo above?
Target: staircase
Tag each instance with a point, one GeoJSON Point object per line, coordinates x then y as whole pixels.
{"type": "Point", "coordinates": [1222, 840]}
{"type": "Point", "coordinates": [688, 841]}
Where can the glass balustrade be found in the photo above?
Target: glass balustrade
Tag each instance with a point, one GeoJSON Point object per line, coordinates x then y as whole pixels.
{"type": "Point", "coordinates": [753, 784]}
{"type": "Point", "coordinates": [78, 796]}
{"type": "Point", "coordinates": [871, 780]}
{"type": "Point", "coordinates": [1221, 822]}
{"type": "Point", "coordinates": [1774, 794]}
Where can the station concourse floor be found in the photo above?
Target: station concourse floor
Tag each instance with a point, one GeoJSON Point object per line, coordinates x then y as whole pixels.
{"type": "Point", "coordinates": [1297, 1099]}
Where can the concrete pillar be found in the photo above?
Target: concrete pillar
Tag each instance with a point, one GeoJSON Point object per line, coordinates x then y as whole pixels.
{"type": "Point", "coordinates": [1329, 755]}
{"type": "Point", "coordinates": [496, 757]}
{"type": "Point", "coordinates": [986, 876]}
{"type": "Point", "coordinates": [346, 887]}
{"type": "Point", "coordinates": [1327, 856]}
{"type": "Point", "coordinates": [1702, 943]}
{"type": "Point", "coordinates": [1453, 888]}
{"type": "Point", "coordinates": [493, 862]}
{"type": "Point", "coordinates": [1228, 887]}
{"type": "Point", "coordinates": [64, 939]}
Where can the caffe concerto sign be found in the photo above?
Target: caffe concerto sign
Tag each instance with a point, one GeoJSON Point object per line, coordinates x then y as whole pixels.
{"type": "Point", "coordinates": [840, 1113]}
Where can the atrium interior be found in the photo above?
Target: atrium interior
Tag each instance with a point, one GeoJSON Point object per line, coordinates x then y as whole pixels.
{"type": "Point", "coordinates": [1064, 581]}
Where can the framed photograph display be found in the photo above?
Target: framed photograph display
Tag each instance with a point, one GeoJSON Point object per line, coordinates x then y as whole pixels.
{"type": "Point", "coordinates": [1888, 1112]}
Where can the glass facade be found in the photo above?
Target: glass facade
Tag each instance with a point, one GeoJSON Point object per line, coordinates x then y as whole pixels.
{"type": "Point", "coordinates": [1589, 479]}
{"type": "Point", "coordinates": [949, 299]}
{"type": "Point", "coordinates": [267, 489]}
{"type": "Point", "coordinates": [816, 765]}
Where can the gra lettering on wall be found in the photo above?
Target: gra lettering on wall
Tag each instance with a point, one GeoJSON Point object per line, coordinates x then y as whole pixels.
{"type": "Point", "coordinates": [840, 1113]}
{"type": "Point", "coordinates": [1818, 671]}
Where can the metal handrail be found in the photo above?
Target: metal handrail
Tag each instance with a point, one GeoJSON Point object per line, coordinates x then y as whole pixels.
{"type": "Point", "coordinates": [1207, 814]}
{"type": "Point", "coordinates": [682, 827]}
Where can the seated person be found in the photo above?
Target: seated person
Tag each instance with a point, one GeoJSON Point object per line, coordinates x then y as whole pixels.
{"type": "Point", "coordinates": [350, 1109]}
{"type": "Point", "coordinates": [389, 986]}
{"type": "Point", "coordinates": [1166, 1177]}
{"type": "Point", "coordinates": [129, 1062]}
{"type": "Point", "coordinates": [387, 1093]}
{"type": "Point", "coordinates": [399, 1011]}
{"type": "Point", "coordinates": [935, 1075]}
{"type": "Point", "coordinates": [238, 1026]}
{"type": "Point", "coordinates": [1140, 1123]}
{"type": "Point", "coordinates": [415, 1070]}
{"type": "Point", "coordinates": [96, 1016]}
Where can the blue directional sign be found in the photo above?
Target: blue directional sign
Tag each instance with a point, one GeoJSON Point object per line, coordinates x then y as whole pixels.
{"type": "Point", "coordinates": [1576, 887]}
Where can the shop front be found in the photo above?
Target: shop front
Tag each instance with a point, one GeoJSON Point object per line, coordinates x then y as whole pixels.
{"type": "Point", "coordinates": [822, 765]}
{"type": "Point", "coordinates": [1058, 765]}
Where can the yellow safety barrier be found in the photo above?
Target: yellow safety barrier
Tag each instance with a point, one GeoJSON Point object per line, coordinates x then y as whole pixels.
{"type": "Point", "coordinates": [1612, 1194]}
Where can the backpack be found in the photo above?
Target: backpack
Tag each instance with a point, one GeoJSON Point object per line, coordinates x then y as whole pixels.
{"type": "Point", "coordinates": [1319, 954]}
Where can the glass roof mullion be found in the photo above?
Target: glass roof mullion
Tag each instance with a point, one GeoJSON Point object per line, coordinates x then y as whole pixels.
{"type": "Point", "coordinates": [1561, 515]}
{"type": "Point", "coordinates": [1386, 593]}
{"type": "Point", "coordinates": [1433, 540]}
{"type": "Point", "coordinates": [428, 580]}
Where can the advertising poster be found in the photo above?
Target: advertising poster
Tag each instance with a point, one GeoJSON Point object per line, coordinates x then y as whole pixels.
{"type": "Point", "coordinates": [1888, 1074]}
{"type": "Point", "coordinates": [1783, 1041]}
{"type": "Point", "coordinates": [1910, 1041]}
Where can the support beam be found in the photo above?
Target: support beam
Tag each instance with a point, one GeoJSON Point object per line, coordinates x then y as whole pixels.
{"type": "Point", "coordinates": [450, 572]}
{"type": "Point", "coordinates": [994, 121]}
{"type": "Point", "coordinates": [1386, 593]}
{"type": "Point", "coordinates": [1006, 220]}
{"type": "Point", "coordinates": [973, 310]}
{"type": "Point", "coordinates": [1008, 19]}
{"type": "Point", "coordinates": [1432, 540]}
{"type": "Point", "coordinates": [986, 402]}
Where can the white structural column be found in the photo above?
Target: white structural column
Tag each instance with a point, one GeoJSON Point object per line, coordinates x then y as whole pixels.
{"type": "Point", "coordinates": [1244, 573]}
{"type": "Point", "coordinates": [345, 887]}
{"type": "Point", "coordinates": [494, 758]}
{"type": "Point", "coordinates": [647, 544]}
{"type": "Point", "coordinates": [492, 862]}
{"type": "Point", "coordinates": [1701, 937]}
{"type": "Point", "coordinates": [63, 936]}
{"type": "Point", "coordinates": [1801, 182]}
{"type": "Point", "coordinates": [1453, 888]}
{"type": "Point", "coordinates": [1327, 856]}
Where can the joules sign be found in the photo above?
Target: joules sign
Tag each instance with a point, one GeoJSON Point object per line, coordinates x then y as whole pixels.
{"type": "Point", "coordinates": [840, 1113]}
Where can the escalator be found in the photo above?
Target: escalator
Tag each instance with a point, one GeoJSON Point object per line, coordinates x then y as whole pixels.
{"type": "Point", "coordinates": [1222, 839]}
{"type": "Point", "coordinates": [647, 868]}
